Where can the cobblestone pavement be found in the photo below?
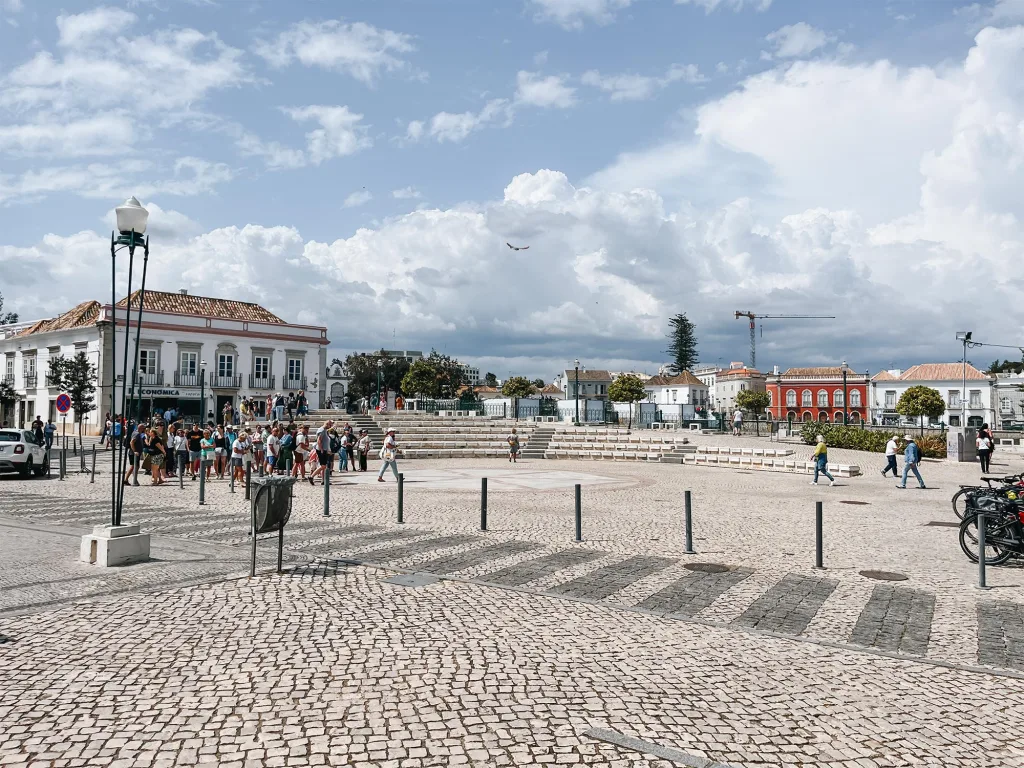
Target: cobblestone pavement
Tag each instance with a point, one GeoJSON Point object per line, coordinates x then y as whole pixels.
{"type": "Point", "coordinates": [331, 666]}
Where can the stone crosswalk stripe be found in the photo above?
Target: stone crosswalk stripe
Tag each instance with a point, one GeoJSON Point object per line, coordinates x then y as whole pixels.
{"type": "Point", "coordinates": [461, 560]}
{"type": "Point", "coordinates": [606, 581]}
{"type": "Point", "coordinates": [415, 548]}
{"type": "Point", "coordinates": [694, 592]}
{"type": "Point", "coordinates": [1001, 634]}
{"type": "Point", "coordinates": [531, 570]}
{"type": "Point", "coordinates": [896, 619]}
{"type": "Point", "coordinates": [355, 541]}
{"type": "Point", "coordinates": [789, 606]}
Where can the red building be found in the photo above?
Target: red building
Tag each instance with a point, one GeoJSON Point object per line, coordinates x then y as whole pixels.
{"type": "Point", "coordinates": [817, 394]}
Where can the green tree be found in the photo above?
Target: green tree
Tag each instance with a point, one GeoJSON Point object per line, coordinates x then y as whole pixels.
{"type": "Point", "coordinates": [538, 383]}
{"type": "Point", "coordinates": [421, 380]}
{"type": "Point", "coordinates": [921, 401]}
{"type": "Point", "coordinates": [362, 370]}
{"type": "Point", "coordinates": [682, 348]}
{"type": "Point", "coordinates": [1006, 366]}
{"type": "Point", "coordinates": [490, 380]}
{"type": "Point", "coordinates": [450, 375]}
{"type": "Point", "coordinates": [6, 317]}
{"type": "Point", "coordinates": [753, 402]}
{"type": "Point", "coordinates": [627, 388]}
{"type": "Point", "coordinates": [75, 376]}
{"type": "Point", "coordinates": [8, 396]}
{"type": "Point", "coordinates": [517, 386]}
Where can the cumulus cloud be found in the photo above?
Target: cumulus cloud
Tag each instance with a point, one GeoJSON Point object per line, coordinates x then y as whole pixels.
{"type": "Point", "coordinates": [106, 134]}
{"type": "Point", "coordinates": [360, 50]}
{"type": "Point", "coordinates": [405, 193]}
{"type": "Point", "coordinates": [536, 90]}
{"type": "Point", "coordinates": [630, 87]}
{"type": "Point", "coordinates": [457, 126]}
{"type": "Point", "coordinates": [340, 132]}
{"type": "Point", "coordinates": [798, 39]}
{"type": "Point", "coordinates": [710, 6]}
{"type": "Point", "coordinates": [571, 14]}
{"type": "Point", "coordinates": [357, 198]}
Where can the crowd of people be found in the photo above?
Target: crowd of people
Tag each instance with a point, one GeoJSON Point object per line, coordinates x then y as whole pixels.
{"type": "Point", "coordinates": [167, 449]}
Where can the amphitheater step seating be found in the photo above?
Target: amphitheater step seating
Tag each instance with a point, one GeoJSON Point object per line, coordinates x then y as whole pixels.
{"type": "Point", "coordinates": [444, 437]}
{"type": "Point", "coordinates": [760, 452]}
{"type": "Point", "coordinates": [610, 444]}
{"type": "Point", "coordinates": [768, 464]}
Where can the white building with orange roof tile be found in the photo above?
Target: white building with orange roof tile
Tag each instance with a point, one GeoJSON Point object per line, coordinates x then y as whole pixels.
{"type": "Point", "coordinates": [967, 392]}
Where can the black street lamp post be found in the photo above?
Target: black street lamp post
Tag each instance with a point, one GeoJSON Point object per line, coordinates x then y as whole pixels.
{"type": "Point", "coordinates": [202, 393]}
{"type": "Point", "coordinates": [577, 392]}
{"type": "Point", "coordinates": [846, 412]}
{"type": "Point", "coordinates": [131, 227]}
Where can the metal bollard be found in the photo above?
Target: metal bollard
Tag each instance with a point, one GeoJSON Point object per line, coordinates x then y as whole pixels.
{"type": "Point", "coordinates": [248, 480]}
{"type": "Point", "coordinates": [401, 497]}
{"type": "Point", "coordinates": [231, 482]}
{"type": "Point", "coordinates": [689, 524]}
{"type": "Point", "coordinates": [982, 582]}
{"type": "Point", "coordinates": [327, 489]}
{"type": "Point", "coordinates": [483, 503]}
{"type": "Point", "coordinates": [181, 477]}
{"type": "Point", "coordinates": [92, 474]}
{"type": "Point", "coordinates": [138, 469]}
{"type": "Point", "coordinates": [202, 482]}
{"type": "Point", "coordinates": [819, 558]}
{"type": "Point", "coordinates": [63, 463]}
{"type": "Point", "coordinates": [579, 512]}
{"type": "Point", "coordinates": [74, 445]}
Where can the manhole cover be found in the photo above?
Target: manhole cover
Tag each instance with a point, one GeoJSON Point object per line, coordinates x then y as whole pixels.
{"type": "Point", "coordinates": [6, 639]}
{"type": "Point", "coordinates": [883, 575]}
{"type": "Point", "coordinates": [707, 567]}
{"type": "Point", "coordinates": [844, 501]}
{"type": "Point", "coordinates": [943, 524]}
{"type": "Point", "coordinates": [411, 580]}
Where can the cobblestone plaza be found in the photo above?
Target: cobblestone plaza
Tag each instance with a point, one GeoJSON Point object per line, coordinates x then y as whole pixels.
{"type": "Point", "coordinates": [518, 645]}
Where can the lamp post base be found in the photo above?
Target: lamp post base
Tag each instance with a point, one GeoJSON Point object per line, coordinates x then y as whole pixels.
{"type": "Point", "coordinates": [112, 545]}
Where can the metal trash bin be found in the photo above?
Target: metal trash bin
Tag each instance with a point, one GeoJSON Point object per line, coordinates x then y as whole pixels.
{"type": "Point", "coordinates": [271, 502]}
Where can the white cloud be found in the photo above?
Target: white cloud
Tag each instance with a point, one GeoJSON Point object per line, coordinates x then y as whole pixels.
{"type": "Point", "coordinates": [414, 130]}
{"type": "Point", "coordinates": [106, 134]}
{"type": "Point", "coordinates": [571, 14]}
{"type": "Point", "coordinates": [360, 50]}
{"type": "Point", "coordinates": [340, 133]}
{"type": "Point", "coordinates": [1006, 11]}
{"type": "Point", "coordinates": [82, 28]}
{"type": "Point", "coordinates": [455, 127]}
{"type": "Point", "coordinates": [405, 193]}
{"type": "Point", "coordinates": [14, 6]}
{"type": "Point", "coordinates": [798, 39]}
{"type": "Point", "coordinates": [538, 91]}
{"type": "Point", "coordinates": [630, 87]}
{"type": "Point", "coordinates": [735, 5]}
{"type": "Point", "coordinates": [357, 198]}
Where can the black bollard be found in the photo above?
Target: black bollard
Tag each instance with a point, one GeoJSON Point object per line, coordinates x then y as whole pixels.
{"type": "Point", "coordinates": [262, 468]}
{"type": "Point", "coordinates": [181, 477]}
{"type": "Point", "coordinates": [689, 524]}
{"type": "Point", "coordinates": [63, 463]}
{"type": "Point", "coordinates": [982, 581]}
{"type": "Point", "coordinates": [579, 512]}
{"type": "Point", "coordinates": [401, 497]}
{"type": "Point", "coordinates": [92, 474]}
{"type": "Point", "coordinates": [483, 503]}
{"type": "Point", "coordinates": [202, 483]}
{"type": "Point", "coordinates": [819, 557]}
{"type": "Point", "coordinates": [248, 480]}
{"type": "Point", "coordinates": [327, 489]}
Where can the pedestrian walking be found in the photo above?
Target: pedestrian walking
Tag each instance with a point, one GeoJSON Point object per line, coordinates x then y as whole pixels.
{"type": "Point", "coordinates": [820, 459]}
{"type": "Point", "coordinates": [289, 406]}
{"type": "Point", "coordinates": [157, 450]}
{"type": "Point", "coordinates": [37, 429]}
{"type": "Point", "coordinates": [911, 458]}
{"type": "Point", "coordinates": [195, 449]}
{"type": "Point", "coordinates": [323, 451]}
{"type": "Point", "coordinates": [301, 404]}
{"type": "Point", "coordinates": [364, 445]}
{"type": "Point", "coordinates": [389, 455]}
{"type": "Point", "coordinates": [301, 451]}
{"type": "Point", "coordinates": [273, 449]}
{"type": "Point", "coordinates": [891, 449]}
{"type": "Point", "coordinates": [48, 434]}
{"type": "Point", "coordinates": [984, 445]}
{"type": "Point", "coordinates": [136, 446]}
{"type": "Point", "coordinates": [349, 442]}
{"type": "Point", "coordinates": [513, 447]}
{"type": "Point", "coordinates": [737, 423]}
{"type": "Point", "coordinates": [106, 428]}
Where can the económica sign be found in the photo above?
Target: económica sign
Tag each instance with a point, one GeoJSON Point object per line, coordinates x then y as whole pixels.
{"type": "Point", "coordinates": [181, 394]}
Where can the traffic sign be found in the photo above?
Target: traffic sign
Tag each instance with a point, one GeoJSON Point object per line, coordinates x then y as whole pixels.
{"type": "Point", "coordinates": [63, 403]}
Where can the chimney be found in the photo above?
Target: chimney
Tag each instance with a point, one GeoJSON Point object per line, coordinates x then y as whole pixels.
{"type": "Point", "coordinates": [775, 371]}
{"type": "Point", "coordinates": [183, 291]}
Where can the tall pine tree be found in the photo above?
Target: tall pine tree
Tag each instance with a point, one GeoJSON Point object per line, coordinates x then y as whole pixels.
{"type": "Point", "coordinates": [682, 348]}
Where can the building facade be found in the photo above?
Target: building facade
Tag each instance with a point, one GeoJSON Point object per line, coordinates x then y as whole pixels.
{"type": "Point", "coordinates": [817, 394]}
{"type": "Point", "coordinates": [593, 384]}
{"type": "Point", "coordinates": [194, 355]}
{"type": "Point", "coordinates": [973, 405]}
{"type": "Point", "coordinates": [684, 389]}
{"type": "Point", "coordinates": [1008, 400]}
{"type": "Point", "coordinates": [470, 374]}
{"type": "Point", "coordinates": [733, 380]}
{"type": "Point", "coordinates": [708, 376]}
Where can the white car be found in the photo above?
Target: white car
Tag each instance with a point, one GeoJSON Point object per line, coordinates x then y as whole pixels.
{"type": "Point", "coordinates": [19, 452]}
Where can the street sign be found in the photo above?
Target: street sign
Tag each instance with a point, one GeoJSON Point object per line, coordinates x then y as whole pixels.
{"type": "Point", "coordinates": [63, 403]}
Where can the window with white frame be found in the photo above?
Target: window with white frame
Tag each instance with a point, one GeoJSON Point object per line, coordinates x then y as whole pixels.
{"type": "Point", "coordinates": [771, 400]}
{"type": "Point", "coordinates": [147, 361]}
{"type": "Point", "coordinates": [953, 399]}
{"type": "Point", "coordinates": [838, 399]}
{"type": "Point", "coordinates": [791, 398]}
{"type": "Point", "coordinates": [261, 367]}
{"type": "Point", "coordinates": [188, 363]}
{"type": "Point", "coordinates": [225, 365]}
{"type": "Point", "coordinates": [9, 370]}
{"type": "Point", "coordinates": [855, 399]}
{"type": "Point", "coordinates": [674, 393]}
{"type": "Point", "coordinates": [1004, 404]}
{"type": "Point", "coordinates": [890, 399]}
{"type": "Point", "coordinates": [822, 398]}
{"type": "Point", "coordinates": [294, 369]}
{"type": "Point", "coordinates": [975, 401]}
{"type": "Point", "coordinates": [805, 397]}
{"type": "Point", "coordinates": [28, 365]}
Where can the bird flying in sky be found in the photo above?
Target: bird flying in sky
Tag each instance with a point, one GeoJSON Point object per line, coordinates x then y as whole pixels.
{"type": "Point", "coordinates": [517, 248]}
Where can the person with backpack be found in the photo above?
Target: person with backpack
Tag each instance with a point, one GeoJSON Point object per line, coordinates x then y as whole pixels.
{"type": "Point", "coordinates": [911, 458]}
{"type": "Point", "coordinates": [389, 455]}
{"type": "Point", "coordinates": [513, 447]}
{"type": "Point", "coordinates": [287, 450]}
{"type": "Point", "coordinates": [324, 456]}
{"type": "Point", "coordinates": [820, 459]}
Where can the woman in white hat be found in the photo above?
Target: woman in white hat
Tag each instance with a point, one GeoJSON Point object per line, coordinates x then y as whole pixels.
{"type": "Point", "coordinates": [388, 455]}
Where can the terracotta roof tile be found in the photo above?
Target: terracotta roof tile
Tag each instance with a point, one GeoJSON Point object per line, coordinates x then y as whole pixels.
{"type": "Point", "coordinates": [685, 379]}
{"type": "Point", "coordinates": [84, 314]}
{"type": "Point", "coordinates": [941, 372]}
{"type": "Point", "coordinates": [884, 376]}
{"type": "Point", "coordinates": [187, 304]}
{"type": "Point", "coordinates": [551, 389]}
{"type": "Point", "coordinates": [834, 370]}
{"type": "Point", "coordinates": [739, 373]}
{"type": "Point", "coordinates": [594, 375]}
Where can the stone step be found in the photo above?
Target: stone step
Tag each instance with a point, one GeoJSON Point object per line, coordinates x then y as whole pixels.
{"type": "Point", "coordinates": [769, 464]}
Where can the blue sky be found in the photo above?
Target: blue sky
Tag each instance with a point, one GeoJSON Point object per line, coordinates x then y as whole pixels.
{"type": "Point", "coordinates": [369, 160]}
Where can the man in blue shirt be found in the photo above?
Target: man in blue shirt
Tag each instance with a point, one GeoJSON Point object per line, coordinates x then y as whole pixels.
{"type": "Point", "coordinates": [911, 458]}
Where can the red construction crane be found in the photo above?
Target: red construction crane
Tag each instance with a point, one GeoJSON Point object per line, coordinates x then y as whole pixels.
{"type": "Point", "coordinates": [752, 316]}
